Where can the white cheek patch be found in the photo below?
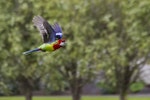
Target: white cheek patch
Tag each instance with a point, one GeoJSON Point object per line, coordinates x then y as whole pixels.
{"type": "Point", "coordinates": [62, 44]}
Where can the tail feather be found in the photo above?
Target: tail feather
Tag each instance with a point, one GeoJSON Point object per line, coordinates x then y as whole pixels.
{"type": "Point", "coordinates": [30, 51]}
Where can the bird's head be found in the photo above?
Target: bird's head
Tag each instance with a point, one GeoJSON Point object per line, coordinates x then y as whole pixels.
{"type": "Point", "coordinates": [62, 43]}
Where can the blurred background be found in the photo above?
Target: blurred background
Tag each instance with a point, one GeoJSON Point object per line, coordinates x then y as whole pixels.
{"type": "Point", "coordinates": [107, 52]}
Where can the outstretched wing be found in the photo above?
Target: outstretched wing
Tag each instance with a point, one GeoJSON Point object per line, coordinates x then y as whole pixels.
{"type": "Point", "coordinates": [58, 31]}
{"type": "Point", "coordinates": [46, 30]}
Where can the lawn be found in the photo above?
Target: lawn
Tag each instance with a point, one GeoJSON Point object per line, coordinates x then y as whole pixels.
{"type": "Point", "coordinates": [69, 98]}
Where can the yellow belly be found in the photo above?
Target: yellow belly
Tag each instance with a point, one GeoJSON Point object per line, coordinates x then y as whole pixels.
{"type": "Point", "coordinates": [47, 47]}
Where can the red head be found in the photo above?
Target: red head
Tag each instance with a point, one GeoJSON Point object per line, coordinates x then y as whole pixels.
{"type": "Point", "coordinates": [60, 43]}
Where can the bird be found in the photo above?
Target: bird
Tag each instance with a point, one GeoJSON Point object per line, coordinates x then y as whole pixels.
{"type": "Point", "coordinates": [51, 36]}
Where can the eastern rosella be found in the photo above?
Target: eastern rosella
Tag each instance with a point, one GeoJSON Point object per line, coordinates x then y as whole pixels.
{"type": "Point", "coordinates": [51, 35]}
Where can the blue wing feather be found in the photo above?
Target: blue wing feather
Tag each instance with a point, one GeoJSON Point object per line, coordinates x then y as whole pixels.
{"type": "Point", "coordinates": [49, 33]}
{"type": "Point", "coordinates": [58, 31]}
{"type": "Point", "coordinates": [46, 30]}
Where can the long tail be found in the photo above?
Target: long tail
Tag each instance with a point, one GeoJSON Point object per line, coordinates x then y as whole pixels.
{"type": "Point", "coordinates": [30, 51]}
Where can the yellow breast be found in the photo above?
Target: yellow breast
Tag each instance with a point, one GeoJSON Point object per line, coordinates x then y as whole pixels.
{"type": "Point", "coordinates": [47, 47]}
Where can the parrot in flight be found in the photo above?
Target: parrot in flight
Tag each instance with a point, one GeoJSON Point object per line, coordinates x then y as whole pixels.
{"type": "Point", "coordinates": [51, 35]}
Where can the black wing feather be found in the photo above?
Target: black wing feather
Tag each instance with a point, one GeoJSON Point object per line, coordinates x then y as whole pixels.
{"type": "Point", "coordinates": [46, 30]}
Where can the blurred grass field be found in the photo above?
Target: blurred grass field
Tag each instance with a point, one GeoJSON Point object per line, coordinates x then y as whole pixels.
{"type": "Point", "coordinates": [69, 98]}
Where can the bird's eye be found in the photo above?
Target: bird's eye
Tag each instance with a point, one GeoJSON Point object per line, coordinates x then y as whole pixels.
{"type": "Point", "coordinates": [63, 40]}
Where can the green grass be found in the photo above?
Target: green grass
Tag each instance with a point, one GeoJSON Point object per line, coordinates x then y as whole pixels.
{"type": "Point", "coordinates": [69, 98]}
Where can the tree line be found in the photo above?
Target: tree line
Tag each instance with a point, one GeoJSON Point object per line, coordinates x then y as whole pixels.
{"type": "Point", "coordinates": [110, 36]}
